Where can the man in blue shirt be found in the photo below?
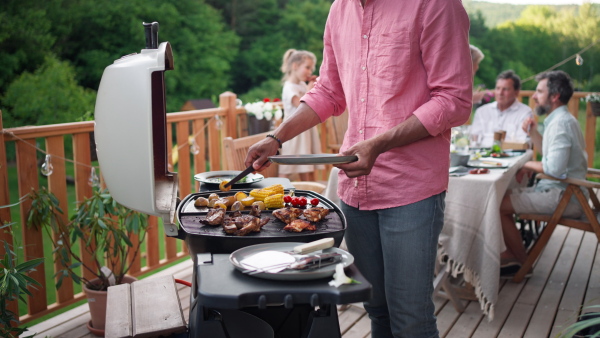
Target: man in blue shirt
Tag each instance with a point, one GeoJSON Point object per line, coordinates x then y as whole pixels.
{"type": "Point", "coordinates": [563, 155]}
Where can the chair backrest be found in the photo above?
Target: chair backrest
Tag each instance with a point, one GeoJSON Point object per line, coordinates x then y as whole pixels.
{"type": "Point", "coordinates": [336, 129]}
{"type": "Point", "coordinates": [588, 223]}
{"type": "Point", "coordinates": [308, 185]}
{"type": "Point", "coordinates": [235, 151]}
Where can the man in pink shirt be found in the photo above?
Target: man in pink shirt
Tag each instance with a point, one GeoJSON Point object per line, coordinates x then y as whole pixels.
{"type": "Point", "coordinates": [403, 69]}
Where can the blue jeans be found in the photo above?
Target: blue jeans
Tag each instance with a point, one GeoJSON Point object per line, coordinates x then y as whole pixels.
{"type": "Point", "coordinates": [395, 249]}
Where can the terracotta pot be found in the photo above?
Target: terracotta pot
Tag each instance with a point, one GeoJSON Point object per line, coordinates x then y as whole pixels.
{"type": "Point", "coordinates": [97, 302]}
{"type": "Point", "coordinates": [595, 108]}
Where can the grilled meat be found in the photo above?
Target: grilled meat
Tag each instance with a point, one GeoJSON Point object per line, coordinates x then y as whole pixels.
{"type": "Point", "coordinates": [214, 216]}
{"type": "Point", "coordinates": [253, 225]}
{"type": "Point", "coordinates": [255, 210]}
{"type": "Point", "coordinates": [300, 225]}
{"type": "Point", "coordinates": [241, 221]}
{"type": "Point", "coordinates": [229, 227]}
{"type": "Point", "coordinates": [288, 214]}
{"type": "Point", "coordinates": [315, 214]}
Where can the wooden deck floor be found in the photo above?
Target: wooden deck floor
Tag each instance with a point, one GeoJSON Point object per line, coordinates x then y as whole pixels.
{"type": "Point", "coordinates": [566, 276]}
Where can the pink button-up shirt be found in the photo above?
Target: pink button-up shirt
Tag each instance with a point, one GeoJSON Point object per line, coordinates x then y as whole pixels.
{"type": "Point", "coordinates": [386, 62]}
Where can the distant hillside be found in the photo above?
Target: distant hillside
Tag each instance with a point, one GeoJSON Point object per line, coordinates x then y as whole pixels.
{"type": "Point", "coordinates": [495, 14]}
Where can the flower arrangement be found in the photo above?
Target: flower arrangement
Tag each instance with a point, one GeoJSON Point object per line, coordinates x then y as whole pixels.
{"type": "Point", "coordinates": [593, 97]}
{"type": "Point", "coordinates": [264, 109]}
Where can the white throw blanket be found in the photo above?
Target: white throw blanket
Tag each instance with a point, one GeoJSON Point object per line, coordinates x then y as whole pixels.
{"type": "Point", "coordinates": [471, 240]}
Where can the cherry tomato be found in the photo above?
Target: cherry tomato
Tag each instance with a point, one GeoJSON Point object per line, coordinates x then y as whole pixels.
{"type": "Point", "coordinates": [287, 199]}
{"type": "Point", "coordinates": [314, 201]}
{"type": "Point", "coordinates": [303, 201]}
{"type": "Point", "coordinates": [296, 201]}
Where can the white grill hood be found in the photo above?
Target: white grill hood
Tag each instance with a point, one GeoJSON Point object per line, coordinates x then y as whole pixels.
{"type": "Point", "coordinates": [130, 131]}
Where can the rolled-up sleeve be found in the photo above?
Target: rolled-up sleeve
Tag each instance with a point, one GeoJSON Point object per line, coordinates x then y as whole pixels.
{"type": "Point", "coordinates": [554, 161]}
{"type": "Point", "coordinates": [327, 96]}
{"type": "Point", "coordinates": [444, 45]}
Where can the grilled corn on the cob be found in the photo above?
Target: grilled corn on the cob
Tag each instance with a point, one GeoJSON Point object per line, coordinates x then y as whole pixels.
{"type": "Point", "coordinates": [274, 201]}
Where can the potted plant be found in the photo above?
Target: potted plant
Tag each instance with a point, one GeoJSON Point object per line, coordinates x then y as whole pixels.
{"type": "Point", "coordinates": [594, 100]}
{"type": "Point", "coordinates": [260, 114]}
{"type": "Point", "coordinates": [13, 285]}
{"type": "Point", "coordinates": [103, 227]}
{"type": "Point", "coordinates": [588, 325]}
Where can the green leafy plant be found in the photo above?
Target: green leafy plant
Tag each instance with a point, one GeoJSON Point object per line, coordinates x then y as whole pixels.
{"type": "Point", "coordinates": [585, 323]}
{"type": "Point", "coordinates": [13, 285]}
{"type": "Point", "coordinates": [103, 229]}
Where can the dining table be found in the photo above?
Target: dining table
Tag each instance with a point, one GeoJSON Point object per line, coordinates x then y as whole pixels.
{"type": "Point", "coordinates": [471, 240]}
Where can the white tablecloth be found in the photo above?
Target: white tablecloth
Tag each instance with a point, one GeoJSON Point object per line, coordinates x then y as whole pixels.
{"type": "Point", "coordinates": [471, 240]}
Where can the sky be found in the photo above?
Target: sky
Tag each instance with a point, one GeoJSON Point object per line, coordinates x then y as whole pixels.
{"type": "Point", "coordinates": [541, 2]}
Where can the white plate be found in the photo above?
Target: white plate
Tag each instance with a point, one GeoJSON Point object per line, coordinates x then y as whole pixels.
{"type": "Point", "coordinates": [313, 159]}
{"type": "Point", "coordinates": [215, 177]}
{"type": "Point", "coordinates": [490, 164]}
{"type": "Point", "coordinates": [237, 256]}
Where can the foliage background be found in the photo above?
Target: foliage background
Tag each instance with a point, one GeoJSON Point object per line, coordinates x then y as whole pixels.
{"type": "Point", "coordinates": [53, 53]}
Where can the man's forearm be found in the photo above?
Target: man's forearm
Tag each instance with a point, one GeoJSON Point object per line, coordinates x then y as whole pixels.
{"type": "Point", "coordinates": [536, 139]}
{"type": "Point", "coordinates": [405, 133]}
{"type": "Point", "coordinates": [303, 119]}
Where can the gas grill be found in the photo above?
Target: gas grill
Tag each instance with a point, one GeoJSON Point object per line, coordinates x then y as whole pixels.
{"type": "Point", "coordinates": [131, 142]}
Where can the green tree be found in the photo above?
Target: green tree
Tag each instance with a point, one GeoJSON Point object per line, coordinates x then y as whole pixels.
{"type": "Point", "coordinates": [48, 95]}
{"type": "Point", "coordinates": [97, 33]}
{"type": "Point", "coordinates": [301, 27]}
{"type": "Point", "coordinates": [24, 38]}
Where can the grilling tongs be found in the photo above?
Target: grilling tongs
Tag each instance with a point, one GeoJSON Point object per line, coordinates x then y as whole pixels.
{"type": "Point", "coordinates": [240, 176]}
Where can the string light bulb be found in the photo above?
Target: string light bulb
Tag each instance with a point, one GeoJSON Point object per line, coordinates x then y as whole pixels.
{"type": "Point", "coordinates": [194, 148]}
{"type": "Point", "coordinates": [578, 60]}
{"type": "Point", "coordinates": [47, 167]}
{"type": "Point", "coordinates": [93, 181]}
{"type": "Point", "coordinates": [218, 122]}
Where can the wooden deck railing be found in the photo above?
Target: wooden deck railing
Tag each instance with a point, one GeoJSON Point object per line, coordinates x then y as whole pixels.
{"type": "Point", "coordinates": [201, 125]}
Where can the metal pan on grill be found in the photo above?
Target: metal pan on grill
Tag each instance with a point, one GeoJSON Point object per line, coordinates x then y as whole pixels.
{"type": "Point", "coordinates": [208, 238]}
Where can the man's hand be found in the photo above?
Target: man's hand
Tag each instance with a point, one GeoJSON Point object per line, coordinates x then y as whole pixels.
{"type": "Point", "coordinates": [366, 153]}
{"type": "Point", "coordinates": [258, 154]}
{"type": "Point", "coordinates": [529, 125]}
{"type": "Point", "coordinates": [523, 172]}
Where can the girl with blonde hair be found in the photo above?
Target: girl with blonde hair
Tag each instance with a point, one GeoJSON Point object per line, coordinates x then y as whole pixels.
{"type": "Point", "coordinates": [297, 68]}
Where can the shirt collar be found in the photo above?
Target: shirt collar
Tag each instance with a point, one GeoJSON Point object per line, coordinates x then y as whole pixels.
{"type": "Point", "coordinates": [555, 113]}
{"type": "Point", "coordinates": [513, 106]}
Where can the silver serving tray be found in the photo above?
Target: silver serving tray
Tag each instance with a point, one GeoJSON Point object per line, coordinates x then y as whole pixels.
{"type": "Point", "coordinates": [291, 275]}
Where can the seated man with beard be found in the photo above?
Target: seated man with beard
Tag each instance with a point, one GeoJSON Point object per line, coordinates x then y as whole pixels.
{"type": "Point", "coordinates": [563, 155]}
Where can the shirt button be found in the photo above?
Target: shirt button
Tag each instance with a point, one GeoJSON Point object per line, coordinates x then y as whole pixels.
{"type": "Point", "coordinates": [360, 131]}
{"type": "Point", "coordinates": [365, 36]}
{"type": "Point", "coordinates": [356, 183]}
{"type": "Point", "coordinates": [362, 100]}
{"type": "Point", "coordinates": [363, 68]}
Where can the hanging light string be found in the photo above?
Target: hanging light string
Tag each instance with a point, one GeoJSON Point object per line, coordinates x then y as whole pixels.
{"type": "Point", "coordinates": [11, 134]}
{"type": "Point", "coordinates": [194, 144]}
{"type": "Point", "coordinates": [21, 200]}
{"type": "Point", "coordinates": [94, 180]}
{"type": "Point", "coordinates": [576, 55]}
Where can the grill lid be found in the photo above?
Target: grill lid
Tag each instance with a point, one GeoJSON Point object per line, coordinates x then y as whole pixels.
{"type": "Point", "coordinates": [130, 131]}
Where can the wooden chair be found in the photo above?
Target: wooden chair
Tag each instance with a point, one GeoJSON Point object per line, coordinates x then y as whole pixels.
{"type": "Point", "coordinates": [312, 186]}
{"type": "Point", "coordinates": [235, 151]}
{"type": "Point", "coordinates": [587, 223]}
